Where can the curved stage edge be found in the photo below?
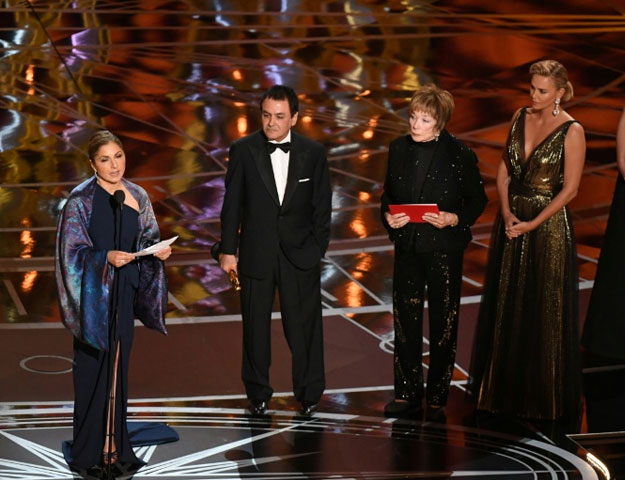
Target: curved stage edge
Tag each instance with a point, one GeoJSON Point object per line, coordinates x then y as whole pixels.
{"type": "Point", "coordinates": [228, 443]}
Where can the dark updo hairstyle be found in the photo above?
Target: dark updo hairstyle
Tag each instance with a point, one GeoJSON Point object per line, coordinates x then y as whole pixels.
{"type": "Point", "coordinates": [101, 137]}
{"type": "Point", "coordinates": [556, 71]}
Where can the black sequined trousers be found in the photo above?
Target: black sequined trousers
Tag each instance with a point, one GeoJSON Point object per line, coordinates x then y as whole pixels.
{"type": "Point", "coordinates": [442, 274]}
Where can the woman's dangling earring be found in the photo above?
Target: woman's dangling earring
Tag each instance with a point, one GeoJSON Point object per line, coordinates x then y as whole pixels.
{"type": "Point", "coordinates": [556, 109]}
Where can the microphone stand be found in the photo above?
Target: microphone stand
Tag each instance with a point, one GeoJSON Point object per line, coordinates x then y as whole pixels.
{"type": "Point", "coordinates": [111, 370]}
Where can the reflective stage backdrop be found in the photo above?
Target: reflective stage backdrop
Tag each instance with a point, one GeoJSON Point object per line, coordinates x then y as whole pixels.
{"type": "Point", "coordinates": [178, 81]}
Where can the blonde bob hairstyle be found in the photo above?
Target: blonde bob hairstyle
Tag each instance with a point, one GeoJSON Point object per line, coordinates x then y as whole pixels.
{"type": "Point", "coordinates": [434, 101]}
{"type": "Point", "coordinates": [556, 71]}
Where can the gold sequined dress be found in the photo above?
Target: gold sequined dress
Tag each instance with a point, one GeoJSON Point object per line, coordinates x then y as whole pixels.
{"type": "Point", "coordinates": [526, 349]}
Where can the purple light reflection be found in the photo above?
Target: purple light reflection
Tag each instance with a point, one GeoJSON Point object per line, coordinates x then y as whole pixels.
{"type": "Point", "coordinates": [211, 277]}
{"type": "Point", "coordinates": [84, 37]}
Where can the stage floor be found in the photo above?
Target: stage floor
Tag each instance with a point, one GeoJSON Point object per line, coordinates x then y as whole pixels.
{"type": "Point", "coordinates": [179, 81]}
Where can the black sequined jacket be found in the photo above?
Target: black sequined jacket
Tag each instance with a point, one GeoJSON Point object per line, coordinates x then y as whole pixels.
{"type": "Point", "coordinates": [453, 181]}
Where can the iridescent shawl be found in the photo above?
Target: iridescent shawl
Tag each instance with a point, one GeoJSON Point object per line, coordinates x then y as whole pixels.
{"type": "Point", "coordinates": [85, 278]}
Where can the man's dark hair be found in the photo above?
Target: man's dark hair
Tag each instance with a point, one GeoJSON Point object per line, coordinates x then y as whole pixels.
{"type": "Point", "coordinates": [282, 92]}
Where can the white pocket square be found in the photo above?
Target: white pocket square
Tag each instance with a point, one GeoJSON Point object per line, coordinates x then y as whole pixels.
{"type": "Point", "coordinates": [302, 180]}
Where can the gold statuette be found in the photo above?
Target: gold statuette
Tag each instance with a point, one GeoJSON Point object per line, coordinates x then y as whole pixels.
{"type": "Point", "coordinates": [234, 280]}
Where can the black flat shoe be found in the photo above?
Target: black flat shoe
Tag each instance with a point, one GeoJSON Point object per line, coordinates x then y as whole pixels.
{"type": "Point", "coordinates": [435, 414]}
{"type": "Point", "coordinates": [308, 409]}
{"type": "Point", "coordinates": [402, 409]}
{"type": "Point", "coordinates": [257, 407]}
{"type": "Point", "coordinates": [93, 473]}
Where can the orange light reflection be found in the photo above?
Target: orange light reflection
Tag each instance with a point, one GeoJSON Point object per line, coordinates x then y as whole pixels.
{"type": "Point", "coordinates": [30, 78]}
{"type": "Point", "coordinates": [358, 227]}
{"type": "Point", "coordinates": [29, 281]}
{"type": "Point", "coordinates": [354, 295]}
{"type": "Point", "coordinates": [26, 239]}
{"type": "Point", "coordinates": [242, 125]}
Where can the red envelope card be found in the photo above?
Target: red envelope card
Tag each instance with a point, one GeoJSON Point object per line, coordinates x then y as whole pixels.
{"type": "Point", "coordinates": [414, 210]}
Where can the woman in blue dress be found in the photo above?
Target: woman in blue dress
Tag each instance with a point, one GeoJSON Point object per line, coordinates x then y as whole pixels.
{"type": "Point", "coordinates": [102, 288]}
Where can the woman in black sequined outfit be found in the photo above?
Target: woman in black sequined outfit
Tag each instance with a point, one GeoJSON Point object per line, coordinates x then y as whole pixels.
{"type": "Point", "coordinates": [428, 166]}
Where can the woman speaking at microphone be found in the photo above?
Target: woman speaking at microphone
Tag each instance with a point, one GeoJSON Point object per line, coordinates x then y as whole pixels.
{"type": "Point", "coordinates": [102, 289]}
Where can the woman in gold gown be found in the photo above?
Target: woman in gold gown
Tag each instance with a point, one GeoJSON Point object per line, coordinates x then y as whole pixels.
{"type": "Point", "coordinates": [526, 350]}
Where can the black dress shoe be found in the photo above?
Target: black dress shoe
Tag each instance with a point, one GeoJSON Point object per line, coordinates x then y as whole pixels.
{"type": "Point", "coordinates": [403, 409]}
{"type": "Point", "coordinates": [435, 414]}
{"type": "Point", "coordinates": [308, 408]}
{"type": "Point", "coordinates": [258, 407]}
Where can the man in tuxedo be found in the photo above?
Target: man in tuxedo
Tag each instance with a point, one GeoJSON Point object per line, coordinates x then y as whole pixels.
{"type": "Point", "coordinates": [276, 211]}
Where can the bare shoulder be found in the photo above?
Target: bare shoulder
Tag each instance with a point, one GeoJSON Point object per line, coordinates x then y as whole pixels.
{"type": "Point", "coordinates": [575, 129]}
{"type": "Point", "coordinates": [575, 140]}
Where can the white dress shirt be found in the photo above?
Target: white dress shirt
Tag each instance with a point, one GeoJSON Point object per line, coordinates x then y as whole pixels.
{"type": "Point", "coordinates": [280, 165]}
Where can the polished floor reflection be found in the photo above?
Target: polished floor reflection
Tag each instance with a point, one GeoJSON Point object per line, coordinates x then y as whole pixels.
{"type": "Point", "coordinates": [225, 443]}
{"type": "Point", "coordinates": [178, 81]}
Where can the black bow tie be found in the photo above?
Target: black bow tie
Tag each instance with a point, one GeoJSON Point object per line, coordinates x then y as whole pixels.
{"type": "Point", "coordinates": [285, 147]}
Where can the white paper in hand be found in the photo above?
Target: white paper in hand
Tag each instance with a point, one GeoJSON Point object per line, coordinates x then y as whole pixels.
{"type": "Point", "coordinates": [156, 247]}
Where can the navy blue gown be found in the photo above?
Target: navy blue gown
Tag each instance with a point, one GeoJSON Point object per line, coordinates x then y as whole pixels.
{"type": "Point", "coordinates": [90, 367]}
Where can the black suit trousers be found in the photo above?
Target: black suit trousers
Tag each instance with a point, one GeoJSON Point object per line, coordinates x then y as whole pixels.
{"type": "Point", "coordinates": [442, 273]}
{"type": "Point", "coordinates": [300, 305]}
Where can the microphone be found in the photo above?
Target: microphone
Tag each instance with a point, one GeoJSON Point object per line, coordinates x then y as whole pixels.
{"type": "Point", "coordinates": [119, 196]}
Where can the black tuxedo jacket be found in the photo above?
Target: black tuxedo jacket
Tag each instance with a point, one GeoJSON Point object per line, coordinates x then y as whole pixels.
{"type": "Point", "coordinates": [453, 181]}
{"type": "Point", "coordinates": [252, 218]}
